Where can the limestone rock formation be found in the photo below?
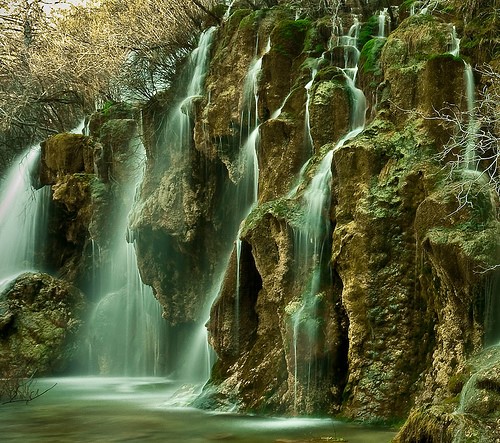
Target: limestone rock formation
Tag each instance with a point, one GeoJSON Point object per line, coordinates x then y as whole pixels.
{"type": "Point", "coordinates": [402, 308]}
{"type": "Point", "coordinates": [88, 174]}
{"type": "Point", "coordinates": [40, 317]}
{"type": "Point", "coordinates": [378, 311]}
{"type": "Point", "coordinates": [475, 419]}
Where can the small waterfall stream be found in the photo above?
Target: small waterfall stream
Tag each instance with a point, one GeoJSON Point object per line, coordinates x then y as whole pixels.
{"type": "Point", "coordinates": [311, 240]}
{"type": "Point", "coordinates": [472, 124]}
{"type": "Point", "coordinates": [196, 358]}
{"type": "Point", "coordinates": [23, 216]}
{"type": "Point", "coordinates": [381, 23]}
{"type": "Point", "coordinates": [126, 331]}
{"type": "Point", "coordinates": [469, 152]}
{"type": "Point", "coordinates": [248, 185]}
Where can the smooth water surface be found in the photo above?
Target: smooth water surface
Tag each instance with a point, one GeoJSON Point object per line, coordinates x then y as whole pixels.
{"type": "Point", "coordinates": [149, 410]}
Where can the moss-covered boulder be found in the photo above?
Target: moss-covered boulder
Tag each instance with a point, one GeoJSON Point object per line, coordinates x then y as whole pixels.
{"type": "Point", "coordinates": [40, 317]}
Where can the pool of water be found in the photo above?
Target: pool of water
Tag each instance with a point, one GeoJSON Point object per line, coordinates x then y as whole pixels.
{"type": "Point", "coordinates": [151, 410]}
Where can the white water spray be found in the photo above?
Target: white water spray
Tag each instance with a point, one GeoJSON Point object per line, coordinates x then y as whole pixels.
{"type": "Point", "coordinates": [469, 153]}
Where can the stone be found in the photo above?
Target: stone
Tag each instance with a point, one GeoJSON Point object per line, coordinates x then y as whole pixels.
{"type": "Point", "coordinates": [44, 316]}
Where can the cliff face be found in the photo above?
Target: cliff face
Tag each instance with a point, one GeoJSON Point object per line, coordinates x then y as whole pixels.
{"type": "Point", "coordinates": [391, 305]}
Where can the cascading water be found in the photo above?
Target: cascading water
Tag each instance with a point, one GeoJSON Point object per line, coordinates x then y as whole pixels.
{"type": "Point", "coordinates": [311, 240]}
{"type": "Point", "coordinates": [381, 23]}
{"type": "Point", "coordinates": [469, 154]}
{"type": "Point", "coordinates": [472, 125]}
{"type": "Point", "coordinates": [126, 331]}
{"type": "Point", "coordinates": [179, 125]}
{"type": "Point", "coordinates": [454, 43]}
{"type": "Point", "coordinates": [248, 185]}
{"type": "Point", "coordinates": [23, 216]}
{"type": "Point", "coordinates": [196, 359]}
{"type": "Point", "coordinates": [314, 72]}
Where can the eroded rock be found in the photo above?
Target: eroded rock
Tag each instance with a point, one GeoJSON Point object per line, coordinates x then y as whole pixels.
{"type": "Point", "coordinates": [40, 317]}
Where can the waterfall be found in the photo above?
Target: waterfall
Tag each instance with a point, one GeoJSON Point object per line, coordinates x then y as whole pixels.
{"type": "Point", "coordinates": [314, 72]}
{"type": "Point", "coordinates": [126, 331]}
{"type": "Point", "coordinates": [472, 124]}
{"type": "Point", "coordinates": [455, 42]}
{"type": "Point", "coordinates": [381, 23]}
{"type": "Point", "coordinates": [469, 154]}
{"type": "Point", "coordinates": [312, 238]}
{"type": "Point", "coordinates": [178, 129]}
{"type": "Point", "coordinates": [248, 185]}
{"type": "Point", "coordinates": [23, 216]}
{"type": "Point", "coordinates": [197, 357]}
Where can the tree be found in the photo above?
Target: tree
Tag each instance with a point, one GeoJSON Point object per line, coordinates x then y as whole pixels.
{"type": "Point", "coordinates": [28, 109]}
{"type": "Point", "coordinates": [56, 68]}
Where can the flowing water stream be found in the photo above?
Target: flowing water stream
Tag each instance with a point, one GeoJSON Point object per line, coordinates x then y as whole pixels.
{"type": "Point", "coordinates": [469, 152]}
{"type": "Point", "coordinates": [23, 216]}
{"type": "Point", "coordinates": [312, 238]}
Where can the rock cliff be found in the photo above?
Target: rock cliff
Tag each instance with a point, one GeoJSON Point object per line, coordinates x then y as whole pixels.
{"type": "Point", "coordinates": [402, 295]}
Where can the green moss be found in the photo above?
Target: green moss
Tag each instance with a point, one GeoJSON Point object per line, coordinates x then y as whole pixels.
{"type": "Point", "coordinates": [455, 385]}
{"type": "Point", "coordinates": [98, 189]}
{"type": "Point", "coordinates": [117, 110]}
{"type": "Point", "coordinates": [251, 20]}
{"type": "Point", "coordinates": [288, 37]}
{"type": "Point", "coordinates": [406, 5]}
{"type": "Point", "coordinates": [331, 73]}
{"type": "Point", "coordinates": [481, 32]}
{"type": "Point", "coordinates": [282, 208]}
{"type": "Point", "coordinates": [370, 56]}
{"type": "Point", "coordinates": [368, 30]}
{"type": "Point", "coordinates": [313, 44]}
{"type": "Point", "coordinates": [445, 56]}
{"type": "Point", "coordinates": [219, 10]}
{"type": "Point", "coordinates": [234, 21]}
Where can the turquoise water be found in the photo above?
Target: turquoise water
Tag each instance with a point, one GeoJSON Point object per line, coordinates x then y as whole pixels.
{"type": "Point", "coordinates": [150, 410]}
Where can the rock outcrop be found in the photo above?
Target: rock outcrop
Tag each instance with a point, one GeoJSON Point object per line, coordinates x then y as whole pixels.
{"type": "Point", "coordinates": [40, 317]}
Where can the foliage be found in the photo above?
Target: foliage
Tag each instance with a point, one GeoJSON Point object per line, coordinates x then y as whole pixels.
{"type": "Point", "coordinates": [370, 55]}
{"type": "Point", "coordinates": [56, 67]}
{"type": "Point", "coordinates": [288, 36]}
{"type": "Point", "coordinates": [368, 31]}
{"type": "Point", "coordinates": [303, 8]}
{"type": "Point", "coordinates": [482, 27]}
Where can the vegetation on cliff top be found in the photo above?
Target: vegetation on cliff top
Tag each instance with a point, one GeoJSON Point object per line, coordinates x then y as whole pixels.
{"type": "Point", "coordinates": [56, 67]}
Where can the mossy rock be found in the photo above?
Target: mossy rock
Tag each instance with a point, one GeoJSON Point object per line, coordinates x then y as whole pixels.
{"type": "Point", "coordinates": [288, 37]}
{"type": "Point", "coordinates": [250, 20]}
{"type": "Point", "coordinates": [110, 111]}
{"type": "Point", "coordinates": [118, 133]}
{"type": "Point", "coordinates": [63, 154]}
{"type": "Point", "coordinates": [415, 40]}
{"type": "Point", "coordinates": [46, 314]}
{"type": "Point", "coordinates": [482, 28]}
{"type": "Point", "coordinates": [283, 209]}
{"type": "Point", "coordinates": [368, 31]}
{"type": "Point", "coordinates": [314, 44]}
{"type": "Point", "coordinates": [370, 56]}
